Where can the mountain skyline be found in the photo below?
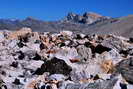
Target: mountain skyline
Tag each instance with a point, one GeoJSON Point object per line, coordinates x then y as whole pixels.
{"type": "Point", "coordinates": [50, 10]}
{"type": "Point", "coordinates": [87, 23]}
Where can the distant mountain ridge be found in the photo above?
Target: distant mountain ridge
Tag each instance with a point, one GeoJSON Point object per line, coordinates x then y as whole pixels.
{"type": "Point", "coordinates": [86, 18]}
{"type": "Point", "coordinates": [88, 23]}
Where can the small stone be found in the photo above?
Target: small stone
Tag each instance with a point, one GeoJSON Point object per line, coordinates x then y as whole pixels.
{"type": "Point", "coordinates": [20, 44]}
{"type": "Point", "coordinates": [96, 77]}
{"type": "Point", "coordinates": [107, 66]}
{"type": "Point", "coordinates": [75, 60]}
{"type": "Point", "coordinates": [131, 40]}
{"type": "Point", "coordinates": [42, 46]}
{"type": "Point", "coordinates": [100, 49]}
{"type": "Point", "coordinates": [43, 87]}
{"type": "Point", "coordinates": [21, 56]}
{"type": "Point", "coordinates": [16, 81]}
{"type": "Point", "coordinates": [37, 57]}
{"type": "Point", "coordinates": [123, 86]}
{"type": "Point", "coordinates": [14, 64]}
{"type": "Point", "coordinates": [57, 77]}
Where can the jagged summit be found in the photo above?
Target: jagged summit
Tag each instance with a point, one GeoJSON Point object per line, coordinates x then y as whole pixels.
{"type": "Point", "coordinates": [87, 23]}
{"type": "Point", "coordinates": [92, 14]}
{"type": "Point", "coordinates": [86, 18]}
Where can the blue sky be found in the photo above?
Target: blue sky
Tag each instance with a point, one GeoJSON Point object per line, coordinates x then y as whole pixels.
{"type": "Point", "coordinates": [57, 9]}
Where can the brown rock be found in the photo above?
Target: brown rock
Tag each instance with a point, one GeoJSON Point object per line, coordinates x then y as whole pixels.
{"type": "Point", "coordinates": [75, 60]}
{"type": "Point", "coordinates": [21, 32]}
{"type": "Point", "coordinates": [107, 66]}
{"type": "Point", "coordinates": [32, 85]}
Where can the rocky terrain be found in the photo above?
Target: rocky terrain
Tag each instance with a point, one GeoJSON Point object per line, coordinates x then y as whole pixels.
{"type": "Point", "coordinates": [65, 60]}
{"type": "Point", "coordinates": [87, 23]}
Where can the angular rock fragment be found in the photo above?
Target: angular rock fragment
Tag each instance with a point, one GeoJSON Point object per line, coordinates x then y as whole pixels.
{"type": "Point", "coordinates": [123, 86]}
{"type": "Point", "coordinates": [100, 49]}
{"type": "Point", "coordinates": [21, 56]}
{"type": "Point", "coordinates": [125, 67]}
{"type": "Point", "coordinates": [79, 36]}
{"type": "Point", "coordinates": [127, 52]}
{"type": "Point", "coordinates": [2, 85]}
{"type": "Point", "coordinates": [42, 46]}
{"type": "Point", "coordinates": [54, 66]}
{"type": "Point", "coordinates": [14, 64]}
{"type": "Point", "coordinates": [16, 81]}
{"type": "Point", "coordinates": [75, 60]}
{"type": "Point", "coordinates": [114, 42]}
{"type": "Point", "coordinates": [97, 49]}
{"type": "Point", "coordinates": [84, 52]}
{"type": "Point", "coordinates": [66, 53]}
{"type": "Point", "coordinates": [37, 57]}
{"type": "Point", "coordinates": [107, 66]}
{"type": "Point", "coordinates": [131, 40]}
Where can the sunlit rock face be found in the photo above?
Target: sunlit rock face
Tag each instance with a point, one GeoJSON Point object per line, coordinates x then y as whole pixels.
{"type": "Point", "coordinates": [86, 18]}
{"type": "Point", "coordinates": [65, 60]}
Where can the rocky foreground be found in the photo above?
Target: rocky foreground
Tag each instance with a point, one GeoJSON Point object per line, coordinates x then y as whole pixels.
{"type": "Point", "coordinates": [32, 60]}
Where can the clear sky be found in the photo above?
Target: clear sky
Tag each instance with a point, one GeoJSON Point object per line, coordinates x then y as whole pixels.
{"type": "Point", "coordinates": [56, 9]}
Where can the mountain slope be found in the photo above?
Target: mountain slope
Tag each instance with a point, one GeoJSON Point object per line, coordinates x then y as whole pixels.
{"type": "Point", "coordinates": [122, 27]}
{"type": "Point", "coordinates": [88, 23]}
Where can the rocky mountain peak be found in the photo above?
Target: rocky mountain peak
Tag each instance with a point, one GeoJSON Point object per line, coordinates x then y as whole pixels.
{"type": "Point", "coordinates": [87, 23]}
{"type": "Point", "coordinates": [92, 14]}
{"type": "Point", "coordinates": [86, 18]}
{"type": "Point", "coordinates": [71, 15]}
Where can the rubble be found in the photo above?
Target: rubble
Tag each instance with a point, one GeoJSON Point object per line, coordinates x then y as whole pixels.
{"type": "Point", "coordinates": [65, 60]}
{"type": "Point", "coordinates": [125, 68]}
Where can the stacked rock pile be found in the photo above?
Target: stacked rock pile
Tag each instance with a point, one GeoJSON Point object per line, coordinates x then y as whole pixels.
{"type": "Point", "coordinates": [32, 60]}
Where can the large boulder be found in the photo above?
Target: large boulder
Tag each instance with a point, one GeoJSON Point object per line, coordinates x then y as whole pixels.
{"type": "Point", "coordinates": [125, 67]}
{"type": "Point", "coordinates": [85, 53]}
{"type": "Point", "coordinates": [54, 66]}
